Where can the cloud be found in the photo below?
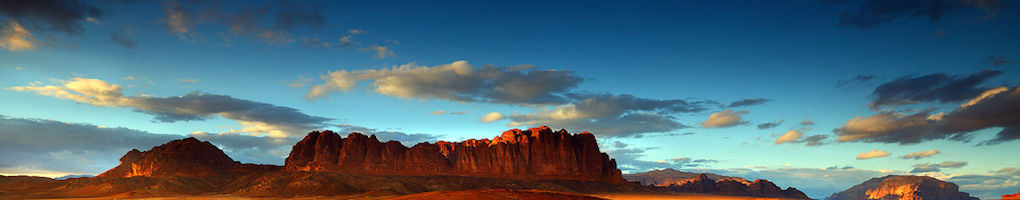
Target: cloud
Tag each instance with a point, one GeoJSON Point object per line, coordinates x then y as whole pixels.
{"type": "Point", "coordinates": [815, 182]}
{"type": "Point", "coordinates": [62, 148]}
{"type": "Point", "coordinates": [928, 167]}
{"type": "Point", "coordinates": [874, 153]}
{"type": "Point", "coordinates": [860, 78]}
{"type": "Point", "coordinates": [725, 118]}
{"type": "Point", "coordinates": [272, 25]}
{"type": "Point", "coordinates": [381, 52]}
{"type": "Point", "coordinates": [936, 87]}
{"type": "Point", "coordinates": [769, 125]}
{"type": "Point", "coordinates": [403, 138]}
{"type": "Point", "coordinates": [457, 81]}
{"type": "Point", "coordinates": [921, 154]}
{"type": "Point", "coordinates": [610, 115]}
{"type": "Point", "coordinates": [629, 159]}
{"type": "Point", "coordinates": [14, 37]}
{"type": "Point", "coordinates": [255, 117]}
{"type": "Point", "coordinates": [748, 102]}
{"type": "Point", "coordinates": [994, 108]}
{"type": "Point", "coordinates": [874, 12]}
{"type": "Point", "coordinates": [795, 136]}
{"type": "Point", "coordinates": [125, 38]}
{"type": "Point", "coordinates": [807, 122]}
{"type": "Point", "coordinates": [300, 82]}
{"type": "Point", "coordinates": [438, 112]}
{"type": "Point", "coordinates": [996, 60]}
{"type": "Point", "coordinates": [790, 136]}
{"type": "Point", "coordinates": [64, 16]}
{"type": "Point", "coordinates": [188, 80]}
{"type": "Point", "coordinates": [491, 117]}
{"type": "Point", "coordinates": [251, 149]}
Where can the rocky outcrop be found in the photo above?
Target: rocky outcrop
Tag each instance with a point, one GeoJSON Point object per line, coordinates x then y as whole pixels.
{"type": "Point", "coordinates": [179, 158]}
{"type": "Point", "coordinates": [668, 176]}
{"type": "Point", "coordinates": [1012, 196]}
{"type": "Point", "coordinates": [895, 187]}
{"type": "Point", "coordinates": [687, 182]}
{"type": "Point", "coordinates": [533, 154]}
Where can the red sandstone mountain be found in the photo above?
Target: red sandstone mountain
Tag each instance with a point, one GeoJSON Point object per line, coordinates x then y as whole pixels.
{"type": "Point", "coordinates": [1011, 196]}
{"type": "Point", "coordinates": [894, 187]}
{"type": "Point", "coordinates": [679, 181]}
{"type": "Point", "coordinates": [533, 154]}
{"type": "Point", "coordinates": [185, 157]}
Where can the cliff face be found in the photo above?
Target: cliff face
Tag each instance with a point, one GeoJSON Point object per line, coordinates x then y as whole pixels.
{"type": "Point", "coordinates": [185, 157]}
{"type": "Point", "coordinates": [687, 182]}
{"type": "Point", "coordinates": [1011, 196]}
{"type": "Point", "coordinates": [903, 188]}
{"type": "Point", "coordinates": [537, 153]}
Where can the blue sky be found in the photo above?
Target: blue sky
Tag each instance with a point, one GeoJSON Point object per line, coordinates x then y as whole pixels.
{"type": "Point", "coordinates": [269, 56]}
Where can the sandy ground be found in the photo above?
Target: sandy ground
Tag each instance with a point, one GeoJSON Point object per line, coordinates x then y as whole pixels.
{"type": "Point", "coordinates": [607, 196]}
{"type": "Point", "coordinates": [676, 197]}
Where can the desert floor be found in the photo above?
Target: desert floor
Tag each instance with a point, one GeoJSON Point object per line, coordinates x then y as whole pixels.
{"type": "Point", "coordinates": [607, 196]}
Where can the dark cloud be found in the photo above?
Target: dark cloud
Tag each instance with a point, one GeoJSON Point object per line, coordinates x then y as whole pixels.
{"type": "Point", "coordinates": [612, 115]}
{"type": "Point", "coordinates": [403, 138]}
{"type": "Point", "coordinates": [814, 140]}
{"type": "Point", "coordinates": [860, 78]}
{"type": "Point", "coordinates": [874, 12]}
{"type": "Point", "coordinates": [55, 15]}
{"type": "Point", "coordinates": [272, 24]}
{"type": "Point", "coordinates": [838, 167]}
{"type": "Point", "coordinates": [989, 186]}
{"type": "Point", "coordinates": [936, 87]}
{"type": "Point", "coordinates": [807, 122]}
{"type": "Point", "coordinates": [996, 61]}
{"type": "Point", "coordinates": [994, 108]}
{"type": "Point", "coordinates": [68, 147]}
{"type": "Point", "coordinates": [255, 117]}
{"type": "Point", "coordinates": [769, 125]}
{"type": "Point", "coordinates": [251, 149]}
{"type": "Point", "coordinates": [125, 39]}
{"type": "Point", "coordinates": [748, 102]}
{"type": "Point", "coordinates": [629, 160]}
{"type": "Point", "coordinates": [929, 167]}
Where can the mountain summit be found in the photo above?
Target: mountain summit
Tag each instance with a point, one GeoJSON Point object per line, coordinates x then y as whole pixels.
{"type": "Point", "coordinates": [895, 187]}
{"type": "Point", "coordinates": [533, 154]}
{"type": "Point", "coordinates": [187, 157]}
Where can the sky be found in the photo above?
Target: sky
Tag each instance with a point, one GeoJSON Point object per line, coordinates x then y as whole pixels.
{"type": "Point", "coordinates": [817, 95]}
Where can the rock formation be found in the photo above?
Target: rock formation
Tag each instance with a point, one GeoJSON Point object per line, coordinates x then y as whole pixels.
{"type": "Point", "coordinates": [1011, 196]}
{"type": "Point", "coordinates": [536, 153]}
{"type": "Point", "coordinates": [185, 157]}
{"type": "Point", "coordinates": [679, 181]}
{"type": "Point", "coordinates": [895, 187]}
{"type": "Point", "coordinates": [668, 176]}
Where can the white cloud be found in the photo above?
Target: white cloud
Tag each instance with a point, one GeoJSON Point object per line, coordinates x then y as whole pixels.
{"type": "Point", "coordinates": [874, 153]}
{"type": "Point", "coordinates": [381, 52]}
{"type": "Point", "coordinates": [921, 154]}
{"type": "Point", "coordinates": [491, 117]}
{"type": "Point", "coordinates": [14, 37]}
{"type": "Point", "coordinates": [255, 117]}
{"type": "Point", "coordinates": [790, 136]}
{"type": "Point", "coordinates": [725, 118]}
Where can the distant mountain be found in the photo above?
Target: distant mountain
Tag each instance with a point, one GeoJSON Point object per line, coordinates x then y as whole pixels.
{"type": "Point", "coordinates": [894, 187]}
{"type": "Point", "coordinates": [1012, 196]}
{"type": "Point", "coordinates": [72, 176]}
{"type": "Point", "coordinates": [669, 176]}
{"type": "Point", "coordinates": [687, 182]}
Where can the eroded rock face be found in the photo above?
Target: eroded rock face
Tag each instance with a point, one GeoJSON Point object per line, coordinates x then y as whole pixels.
{"type": "Point", "coordinates": [536, 153]}
{"type": "Point", "coordinates": [1011, 196]}
{"type": "Point", "coordinates": [187, 157]}
{"type": "Point", "coordinates": [903, 188]}
{"type": "Point", "coordinates": [687, 182]}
